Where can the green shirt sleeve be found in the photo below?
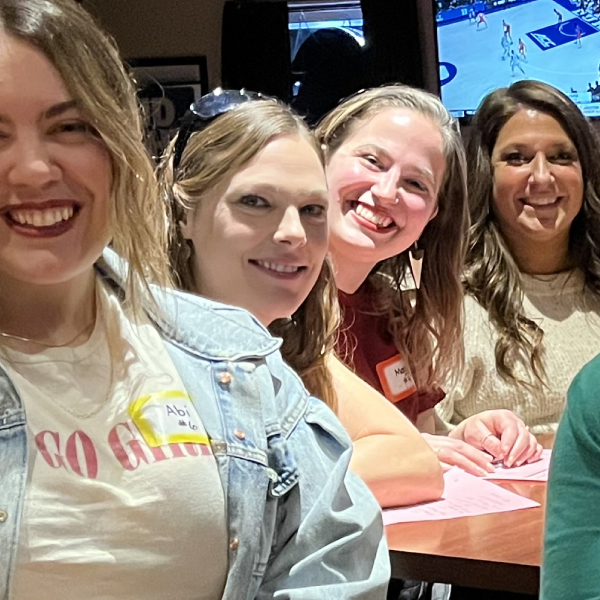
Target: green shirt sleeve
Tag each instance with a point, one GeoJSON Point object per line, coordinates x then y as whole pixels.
{"type": "Point", "coordinates": [571, 564]}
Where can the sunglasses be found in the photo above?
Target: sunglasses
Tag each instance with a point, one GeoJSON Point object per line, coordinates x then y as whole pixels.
{"type": "Point", "coordinates": [205, 110]}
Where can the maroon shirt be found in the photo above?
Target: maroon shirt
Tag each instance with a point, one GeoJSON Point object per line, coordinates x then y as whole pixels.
{"type": "Point", "coordinates": [365, 341]}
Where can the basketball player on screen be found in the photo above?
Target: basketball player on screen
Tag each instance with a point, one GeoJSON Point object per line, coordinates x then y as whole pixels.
{"type": "Point", "coordinates": [481, 21]}
{"type": "Point", "coordinates": [515, 63]}
{"type": "Point", "coordinates": [506, 47]}
{"type": "Point", "coordinates": [522, 50]}
{"type": "Point", "coordinates": [506, 27]}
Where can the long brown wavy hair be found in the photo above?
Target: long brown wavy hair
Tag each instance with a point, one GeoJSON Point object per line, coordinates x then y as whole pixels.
{"type": "Point", "coordinates": [429, 330]}
{"type": "Point", "coordinates": [224, 147]}
{"type": "Point", "coordinates": [492, 275]}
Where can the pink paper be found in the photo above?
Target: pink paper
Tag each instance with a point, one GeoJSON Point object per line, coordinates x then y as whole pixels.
{"type": "Point", "coordinates": [537, 471]}
{"type": "Point", "coordinates": [464, 496]}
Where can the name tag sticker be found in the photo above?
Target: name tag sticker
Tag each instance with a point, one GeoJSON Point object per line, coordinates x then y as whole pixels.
{"type": "Point", "coordinates": [167, 418]}
{"type": "Point", "coordinates": [396, 379]}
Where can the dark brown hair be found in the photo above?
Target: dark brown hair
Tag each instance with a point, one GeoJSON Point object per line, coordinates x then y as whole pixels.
{"type": "Point", "coordinates": [492, 275]}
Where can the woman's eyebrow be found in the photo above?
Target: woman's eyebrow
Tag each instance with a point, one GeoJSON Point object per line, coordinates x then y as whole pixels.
{"type": "Point", "coordinates": [54, 111]}
{"type": "Point", "coordinates": [59, 109]}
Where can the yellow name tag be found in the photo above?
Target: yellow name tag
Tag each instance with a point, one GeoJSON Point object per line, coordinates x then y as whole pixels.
{"type": "Point", "coordinates": [167, 418]}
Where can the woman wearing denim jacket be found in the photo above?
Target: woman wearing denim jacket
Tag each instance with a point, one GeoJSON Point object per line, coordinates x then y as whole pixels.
{"type": "Point", "coordinates": [152, 444]}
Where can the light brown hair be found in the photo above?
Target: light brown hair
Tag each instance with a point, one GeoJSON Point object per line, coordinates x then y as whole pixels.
{"type": "Point", "coordinates": [428, 331]}
{"type": "Point", "coordinates": [93, 73]}
{"type": "Point", "coordinates": [215, 153]}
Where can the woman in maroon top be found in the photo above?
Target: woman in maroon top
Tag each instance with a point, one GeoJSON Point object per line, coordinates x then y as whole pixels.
{"type": "Point", "coordinates": [398, 222]}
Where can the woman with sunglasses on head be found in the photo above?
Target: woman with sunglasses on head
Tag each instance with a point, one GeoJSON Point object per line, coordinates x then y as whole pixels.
{"type": "Point", "coordinates": [533, 270]}
{"type": "Point", "coordinates": [153, 444]}
{"type": "Point", "coordinates": [396, 173]}
{"type": "Point", "coordinates": [247, 189]}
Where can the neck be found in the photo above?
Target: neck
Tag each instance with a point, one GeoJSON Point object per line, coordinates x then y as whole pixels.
{"type": "Point", "coordinates": [49, 314]}
{"type": "Point", "coordinates": [543, 258]}
{"type": "Point", "coordinates": [349, 275]}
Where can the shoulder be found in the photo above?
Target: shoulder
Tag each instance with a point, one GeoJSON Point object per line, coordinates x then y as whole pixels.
{"type": "Point", "coordinates": [209, 329]}
{"type": "Point", "coordinates": [583, 402]}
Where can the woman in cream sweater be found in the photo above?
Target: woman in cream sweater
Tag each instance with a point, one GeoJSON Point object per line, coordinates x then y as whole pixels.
{"type": "Point", "coordinates": [533, 271]}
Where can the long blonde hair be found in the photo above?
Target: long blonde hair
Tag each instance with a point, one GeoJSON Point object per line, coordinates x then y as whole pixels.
{"type": "Point", "coordinates": [428, 331]}
{"type": "Point", "coordinates": [224, 147]}
{"type": "Point", "coordinates": [93, 73]}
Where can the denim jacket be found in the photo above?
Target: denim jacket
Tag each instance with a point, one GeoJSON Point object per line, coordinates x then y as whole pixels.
{"type": "Point", "coordinates": [300, 526]}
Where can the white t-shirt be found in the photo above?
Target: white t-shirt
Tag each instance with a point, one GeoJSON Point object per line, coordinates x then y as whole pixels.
{"type": "Point", "coordinates": [109, 516]}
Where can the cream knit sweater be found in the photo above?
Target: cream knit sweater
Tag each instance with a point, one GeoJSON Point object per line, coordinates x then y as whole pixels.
{"type": "Point", "coordinates": [570, 319]}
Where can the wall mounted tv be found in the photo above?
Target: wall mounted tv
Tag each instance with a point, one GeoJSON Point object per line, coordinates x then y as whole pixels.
{"type": "Point", "coordinates": [486, 45]}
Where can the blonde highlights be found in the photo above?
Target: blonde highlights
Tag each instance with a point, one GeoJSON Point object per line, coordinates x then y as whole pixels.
{"type": "Point", "coordinates": [426, 328]}
{"type": "Point", "coordinates": [94, 75]}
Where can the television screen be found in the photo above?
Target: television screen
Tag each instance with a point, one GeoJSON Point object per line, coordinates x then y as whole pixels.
{"type": "Point", "coordinates": [486, 45]}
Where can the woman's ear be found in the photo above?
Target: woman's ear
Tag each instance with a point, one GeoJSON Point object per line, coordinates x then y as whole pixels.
{"type": "Point", "coordinates": [184, 226]}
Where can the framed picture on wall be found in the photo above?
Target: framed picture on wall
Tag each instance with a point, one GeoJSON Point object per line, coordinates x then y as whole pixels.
{"type": "Point", "coordinates": [166, 88]}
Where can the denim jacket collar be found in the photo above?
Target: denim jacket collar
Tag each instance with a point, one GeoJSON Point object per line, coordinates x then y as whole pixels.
{"type": "Point", "coordinates": [208, 329]}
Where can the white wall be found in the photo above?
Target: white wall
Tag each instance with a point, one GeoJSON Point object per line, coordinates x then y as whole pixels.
{"type": "Point", "coordinates": [163, 28]}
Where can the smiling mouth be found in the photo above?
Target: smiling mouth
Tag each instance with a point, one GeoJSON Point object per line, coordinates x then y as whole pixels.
{"type": "Point", "coordinates": [44, 220]}
{"type": "Point", "coordinates": [284, 270]}
{"type": "Point", "coordinates": [542, 202]}
{"type": "Point", "coordinates": [366, 213]}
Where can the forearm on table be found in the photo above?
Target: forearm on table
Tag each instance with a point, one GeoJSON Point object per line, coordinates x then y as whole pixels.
{"type": "Point", "coordinates": [398, 471]}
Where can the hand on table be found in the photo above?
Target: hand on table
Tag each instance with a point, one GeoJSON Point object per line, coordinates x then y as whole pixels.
{"type": "Point", "coordinates": [455, 452]}
{"type": "Point", "coordinates": [502, 435]}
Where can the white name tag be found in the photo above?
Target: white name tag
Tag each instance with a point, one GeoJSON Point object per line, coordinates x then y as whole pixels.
{"type": "Point", "coordinates": [167, 417]}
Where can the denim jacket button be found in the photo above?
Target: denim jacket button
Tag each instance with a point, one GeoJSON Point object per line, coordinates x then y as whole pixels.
{"type": "Point", "coordinates": [239, 434]}
{"type": "Point", "coordinates": [3, 516]}
{"type": "Point", "coordinates": [225, 378]}
{"type": "Point", "coordinates": [234, 544]}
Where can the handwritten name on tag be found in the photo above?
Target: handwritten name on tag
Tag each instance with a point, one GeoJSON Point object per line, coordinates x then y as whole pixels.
{"type": "Point", "coordinates": [167, 417]}
{"type": "Point", "coordinates": [396, 379]}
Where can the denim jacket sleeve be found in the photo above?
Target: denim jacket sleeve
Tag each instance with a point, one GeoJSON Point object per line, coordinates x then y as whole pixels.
{"type": "Point", "coordinates": [329, 540]}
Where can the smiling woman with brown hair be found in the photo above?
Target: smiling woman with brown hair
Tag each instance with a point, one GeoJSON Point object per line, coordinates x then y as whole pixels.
{"type": "Point", "coordinates": [395, 167]}
{"type": "Point", "coordinates": [533, 265]}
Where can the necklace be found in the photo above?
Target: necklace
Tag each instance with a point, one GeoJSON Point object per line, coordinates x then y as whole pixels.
{"type": "Point", "coordinates": [103, 314]}
{"type": "Point", "coordinates": [11, 336]}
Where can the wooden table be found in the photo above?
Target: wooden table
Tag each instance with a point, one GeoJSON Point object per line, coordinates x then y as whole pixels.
{"type": "Point", "coordinates": [500, 551]}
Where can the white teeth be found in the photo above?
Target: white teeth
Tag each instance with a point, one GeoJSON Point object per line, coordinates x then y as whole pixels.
{"type": "Point", "coordinates": [42, 217]}
{"type": "Point", "coordinates": [540, 201]}
{"type": "Point", "coordinates": [369, 215]}
{"type": "Point", "coordinates": [278, 268]}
